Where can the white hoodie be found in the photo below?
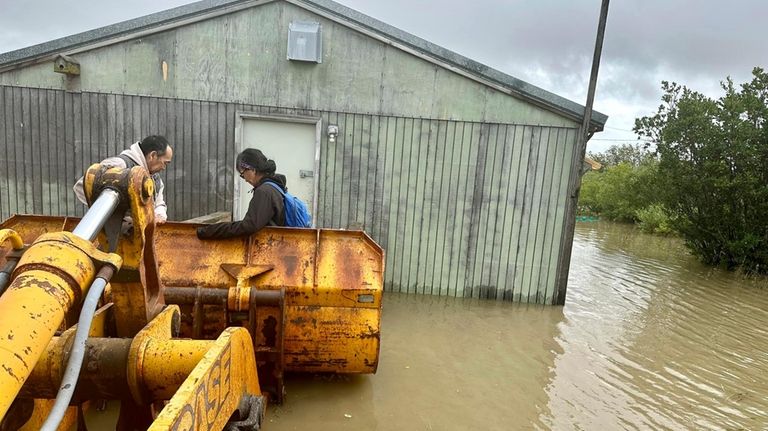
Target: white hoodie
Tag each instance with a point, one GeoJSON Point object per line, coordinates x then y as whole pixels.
{"type": "Point", "coordinates": [135, 154]}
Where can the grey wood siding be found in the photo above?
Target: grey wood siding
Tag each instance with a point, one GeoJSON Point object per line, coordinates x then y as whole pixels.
{"type": "Point", "coordinates": [461, 208]}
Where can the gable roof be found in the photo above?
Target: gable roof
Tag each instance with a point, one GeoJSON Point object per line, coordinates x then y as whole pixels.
{"type": "Point", "coordinates": [205, 9]}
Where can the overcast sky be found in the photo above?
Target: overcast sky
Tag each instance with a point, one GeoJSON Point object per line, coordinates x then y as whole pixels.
{"type": "Point", "coordinates": [548, 43]}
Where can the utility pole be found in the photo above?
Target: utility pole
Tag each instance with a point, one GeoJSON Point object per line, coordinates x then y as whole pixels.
{"type": "Point", "coordinates": [574, 183]}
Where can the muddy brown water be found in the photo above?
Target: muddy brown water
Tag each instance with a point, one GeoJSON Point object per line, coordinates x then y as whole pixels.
{"type": "Point", "coordinates": [648, 339]}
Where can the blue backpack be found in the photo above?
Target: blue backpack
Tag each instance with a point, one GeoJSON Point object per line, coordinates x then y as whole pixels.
{"type": "Point", "coordinates": [296, 212]}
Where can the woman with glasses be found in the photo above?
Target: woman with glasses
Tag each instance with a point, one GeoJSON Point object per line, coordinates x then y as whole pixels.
{"type": "Point", "coordinates": [266, 207]}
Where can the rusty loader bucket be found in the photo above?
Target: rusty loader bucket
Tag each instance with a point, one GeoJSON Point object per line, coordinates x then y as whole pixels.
{"type": "Point", "coordinates": [310, 298]}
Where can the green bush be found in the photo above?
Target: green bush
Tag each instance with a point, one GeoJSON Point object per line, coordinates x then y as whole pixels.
{"type": "Point", "coordinates": [654, 219]}
{"type": "Point", "coordinates": [619, 192]}
{"type": "Point", "coordinates": [589, 201]}
{"type": "Point", "coordinates": [714, 165]}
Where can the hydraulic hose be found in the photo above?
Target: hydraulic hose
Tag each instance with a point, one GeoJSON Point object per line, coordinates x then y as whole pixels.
{"type": "Point", "coordinates": [5, 275]}
{"type": "Point", "coordinates": [75, 361]}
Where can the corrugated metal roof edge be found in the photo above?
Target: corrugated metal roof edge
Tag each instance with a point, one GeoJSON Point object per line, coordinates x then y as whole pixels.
{"type": "Point", "coordinates": [113, 31]}
{"type": "Point", "coordinates": [523, 89]}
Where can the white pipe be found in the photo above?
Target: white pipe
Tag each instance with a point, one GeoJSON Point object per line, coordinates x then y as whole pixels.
{"type": "Point", "coordinates": [75, 361]}
{"type": "Point", "coordinates": [97, 215]}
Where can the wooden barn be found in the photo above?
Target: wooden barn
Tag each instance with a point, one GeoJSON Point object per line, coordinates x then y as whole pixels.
{"type": "Point", "coordinates": [462, 173]}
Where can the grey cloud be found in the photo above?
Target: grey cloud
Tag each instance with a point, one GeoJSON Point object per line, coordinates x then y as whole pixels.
{"type": "Point", "coordinates": [26, 23]}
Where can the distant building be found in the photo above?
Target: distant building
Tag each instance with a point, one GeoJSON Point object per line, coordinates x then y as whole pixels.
{"type": "Point", "coordinates": [592, 165]}
{"type": "Point", "coordinates": [459, 171]}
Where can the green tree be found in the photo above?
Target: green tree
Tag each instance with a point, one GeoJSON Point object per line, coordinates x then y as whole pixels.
{"type": "Point", "coordinates": [619, 192]}
{"type": "Point", "coordinates": [632, 154]}
{"type": "Point", "coordinates": [713, 167]}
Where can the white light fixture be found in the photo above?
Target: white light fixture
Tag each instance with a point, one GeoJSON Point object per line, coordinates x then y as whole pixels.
{"type": "Point", "coordinates": [333, 132]}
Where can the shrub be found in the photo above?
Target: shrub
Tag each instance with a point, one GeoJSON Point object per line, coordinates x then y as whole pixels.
{"type": "Point", "coordinates": [654, 219]}
{"type": "Point", "coordinates": [713, 156]}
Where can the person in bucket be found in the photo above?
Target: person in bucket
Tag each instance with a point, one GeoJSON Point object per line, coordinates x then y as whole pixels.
{"type": "Point", "coordinates": [266, 207]}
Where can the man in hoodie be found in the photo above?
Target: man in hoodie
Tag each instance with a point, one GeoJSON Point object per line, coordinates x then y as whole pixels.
{"type": "Point", "coordinates": [266, 207]}
{"type": "Point", "coordinates": [153, 153]}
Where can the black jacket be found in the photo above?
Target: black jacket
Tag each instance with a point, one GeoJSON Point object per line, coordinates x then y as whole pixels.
{"type": "Point", "coordinates": [266, 208]}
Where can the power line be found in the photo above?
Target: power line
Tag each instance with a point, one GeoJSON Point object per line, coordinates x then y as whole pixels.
{"type": "Point", "coordinates": [616, 128]}
{"type": "Point", "coordinates": [619, 140]}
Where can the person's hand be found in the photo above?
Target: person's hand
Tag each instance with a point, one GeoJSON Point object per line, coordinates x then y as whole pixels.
{"type": "Point", "coordinates": [127, 228]}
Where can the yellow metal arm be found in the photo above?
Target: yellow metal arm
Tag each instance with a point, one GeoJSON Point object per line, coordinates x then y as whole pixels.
{"type": "Point", "coordinates": [214, 390]}
{"type": "Point", "coordinates": [206, 381]}
{"type": "Point", "coordinates": [52, 276]}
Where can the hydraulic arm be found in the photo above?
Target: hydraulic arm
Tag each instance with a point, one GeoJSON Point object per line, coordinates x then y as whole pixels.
{"type": "Point", "coordinates": [187, 334]}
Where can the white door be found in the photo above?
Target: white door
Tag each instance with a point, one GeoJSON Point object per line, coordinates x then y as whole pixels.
{"type": "Point", "coordinates": [294, 147]}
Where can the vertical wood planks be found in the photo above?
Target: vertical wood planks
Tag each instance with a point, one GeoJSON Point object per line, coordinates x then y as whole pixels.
{"type": "Point", "coordinates": [6, 192]}
{"type": "Point", "coordinates": [462, 208]}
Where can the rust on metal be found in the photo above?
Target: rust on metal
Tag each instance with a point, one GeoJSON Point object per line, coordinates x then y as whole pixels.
{"type": "Point", "coordinates": [213, 390]}
{"type": "Point", "coordinates": [50, 278]}
{"type": "Point", "coordinates": [43, 381]}
{"type": "Point", "coordinates": [103, 375]}
{"type": "Point", "coordinates": [137, 290]}
{"type": "Point", "coordinates": [263, 317]}
{"type": "Point", "coordinates": [188, 295]}
{"type": "Point", "coordinates": [266, 324]}
{"type": "Point", "coordinates": [162, 327]}
{"type": "Point", "coordinates": [332, 272]}
{"type": "Point", "coordinates": [308, 300]}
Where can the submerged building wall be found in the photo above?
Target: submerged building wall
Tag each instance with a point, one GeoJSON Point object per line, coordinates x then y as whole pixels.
{"type": "Point", "coordinates": [462, 208]}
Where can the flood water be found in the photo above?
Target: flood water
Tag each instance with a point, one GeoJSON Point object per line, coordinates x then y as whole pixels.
{"type": "Point", "coordinates": [648, 339]}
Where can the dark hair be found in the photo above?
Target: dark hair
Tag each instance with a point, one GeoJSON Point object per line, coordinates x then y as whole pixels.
{"type": "Point", "coordinates": [154, 143]}
{"type": "Point", "coordinates": [251, 158]}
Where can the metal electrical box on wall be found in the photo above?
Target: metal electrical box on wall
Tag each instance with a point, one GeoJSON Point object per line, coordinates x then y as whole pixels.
{"type": "Point", "coordinates": [305, 41]}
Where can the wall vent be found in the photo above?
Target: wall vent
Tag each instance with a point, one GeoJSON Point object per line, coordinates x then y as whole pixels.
{"type": "Point", "coordinates": [305, 41]}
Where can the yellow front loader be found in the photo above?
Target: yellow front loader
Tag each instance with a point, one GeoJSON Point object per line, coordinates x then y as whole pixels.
{"type": "Point", "coordinates": [184, 334]}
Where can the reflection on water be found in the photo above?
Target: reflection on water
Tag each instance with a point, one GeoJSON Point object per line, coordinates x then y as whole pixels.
{"type": "Point", "coordinates": [445, 364]}
{"type": "Point", "coordinates": [648, 339]}
{"type": "Point", "coordinates": [669, 343]}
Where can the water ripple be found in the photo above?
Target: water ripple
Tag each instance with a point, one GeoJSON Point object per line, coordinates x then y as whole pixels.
{"type": "Point", "coordinates": [654, 340]}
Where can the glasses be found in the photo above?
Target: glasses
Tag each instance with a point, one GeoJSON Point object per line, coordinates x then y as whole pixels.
{"type": "Point", "coordinates": [242, 173]}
